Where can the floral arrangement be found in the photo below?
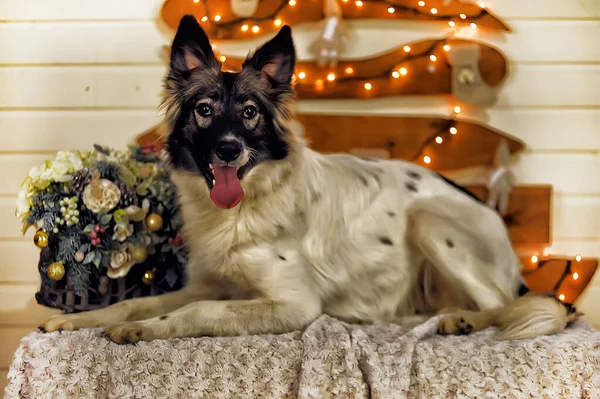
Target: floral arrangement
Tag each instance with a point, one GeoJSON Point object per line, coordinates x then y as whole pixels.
{"type": "Point", "coordinates": [102, 213]}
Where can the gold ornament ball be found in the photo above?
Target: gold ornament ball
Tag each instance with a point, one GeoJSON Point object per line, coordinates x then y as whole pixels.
{"type": "Point", "coordinates": [148, 277]}
{"type": "Point", "coordinates": [56, 271]}
{"type": "Point", "coordinates": [40, 239]}
{"type": "Point", "coordinates": [139, 254]}
{"type": "Point", "coordinates": [154, 222]}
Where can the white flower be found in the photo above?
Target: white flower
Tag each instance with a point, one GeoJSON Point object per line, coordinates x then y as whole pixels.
{"type": "Point", "coordinates": [123, 230]}
{"type": "Point", "coordinates": [120, 262]}
{"type": "Point", "coordinates": [136, 213]}
{"type": "Point", "coordinates": [101, 195]}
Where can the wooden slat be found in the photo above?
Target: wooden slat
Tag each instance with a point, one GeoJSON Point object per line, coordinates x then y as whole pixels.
{"type": "Point", "coordinates": [510, 9]}
{"type": "Point", "coordinates": [588, 302]}
{"type": "Point", "coordinates": [141, 41]}
{"type": "Point", "coordinates": [19, 307]}
{"type": "Point", "coordinates": [3, 381]}
{"type": "Point", "coordinates": [576, 217]}
{"type": "Point", "coordinates": [587, 248]}
{"type": "Point", "coordinates": [18, 262]}
{"type": "Point", "coordinates": [140, 86]}
{"type": "Point", "coordinates": [10, 338]}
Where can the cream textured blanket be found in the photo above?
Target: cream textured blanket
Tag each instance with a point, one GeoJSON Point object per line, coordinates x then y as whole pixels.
{"type": "Point", "coordinates": [330, 359]}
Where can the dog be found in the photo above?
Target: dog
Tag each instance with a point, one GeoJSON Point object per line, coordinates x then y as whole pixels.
{"type": "Point", "coordinates": [280, 234]}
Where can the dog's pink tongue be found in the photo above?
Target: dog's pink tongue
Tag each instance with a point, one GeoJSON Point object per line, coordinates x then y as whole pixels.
{"type": "Point", "coordinates": [227, 191]}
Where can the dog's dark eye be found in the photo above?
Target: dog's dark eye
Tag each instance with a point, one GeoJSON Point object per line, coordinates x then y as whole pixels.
{"type": "Point", "coordinates": [249, 112]}
{"type": "Point", "coordinates": [204, 110]}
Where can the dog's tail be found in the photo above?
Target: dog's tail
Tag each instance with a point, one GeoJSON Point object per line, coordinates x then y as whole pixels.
{"type": "Point", "coordinates": [533, 315]}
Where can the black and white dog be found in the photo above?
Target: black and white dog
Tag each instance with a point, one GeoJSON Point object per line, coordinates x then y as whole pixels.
{"type": "Point", "coordinates": [280, 234]}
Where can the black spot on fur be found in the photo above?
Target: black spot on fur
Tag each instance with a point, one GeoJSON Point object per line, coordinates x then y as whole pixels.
{"type": "Point", "coordinates": [411, 186]}
{"type": "Point", "coordinates": [460, 188]}
{"type": "Point", "coordinates": [139, 334]}
{"type": "Point", "coordinates": [414, 175]}
{"type": "Point", "coordinates": [281, 257]}
{"type": "Point", "coordinates": [385, 240]}
{"type": "Point", "coordinates": [60, 330]}
{"type": "Point", "coordinates": [315, 197]}
{"type": "Point", "coordinates": [369, 159]}
{"type": "Point", "coordinates": [42, 329]}
{"type": "Point", "coordinates": [164, 317]}
{"type": "Point", "coordinates": [391, 214]}
{"type": "Point", "coordinates": [362, 179]}
{"type": "Point", "coordinates": [523, 289]}
{"type": "Point", "coordinates": [449, 243]}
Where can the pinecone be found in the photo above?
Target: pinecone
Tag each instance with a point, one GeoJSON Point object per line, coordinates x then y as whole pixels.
{"type": "Point", "coordinates": [80, 179]}
{"type": "Point", "coordinates": [128, 196]}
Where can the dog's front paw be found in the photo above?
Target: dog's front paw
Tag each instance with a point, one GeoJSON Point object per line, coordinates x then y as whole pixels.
{"type": "Point", "coordinates": [128, 333]}
{"type": "Point", "coordinates": [458, 323]}
{"type": "Point", "coordinates": [68, 322]}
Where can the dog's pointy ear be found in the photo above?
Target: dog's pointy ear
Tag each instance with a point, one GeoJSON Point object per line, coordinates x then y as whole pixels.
{"type": "Point", "coordinates": [191, 48]}
{"type": "Point", "coordinates": [275, 59]}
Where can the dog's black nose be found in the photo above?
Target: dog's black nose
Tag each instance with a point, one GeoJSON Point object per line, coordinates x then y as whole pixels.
{"type": "Point", "coordinates": [228, 150]}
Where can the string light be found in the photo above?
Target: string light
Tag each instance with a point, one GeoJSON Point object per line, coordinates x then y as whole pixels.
{"type": "Point", "coordinates": [368, 86]}
{"type": "Point", "coordinates": [244, 28]}
{"type": "Point", "coordinates": [453, 130]}
{"type": "Point", "coordinates": [446, 47]}
{"type": "Point", "coordinates": [481, 4]}
{"type": "Point", "coordinates": [406, 49]}
{"type": "Point", "coordinates": [255, 29]}
{"type": "Point", "coordinates": [439, 140]}
{"type": "Point", "coordinates": [292, 2]}
{"type": "Point", "coordinates": [349, 71]}
{"type": "Point", "coordinates": [277, 22]}
{"type": "Point", "coordinates": [452, 23]}
{"type": "Point", "coordinates": [359, 3]}
{"type": "Point", "coordinates": [427, 159]}
{"type": "Point", "coordinates": [204, 19]}
{"type": "Point", "coordinates": [391, 10]}
{"type": "Point", "coordinates": [403, 71]}
{"type": "Point", "coordinates": [578, 258]}
{"type": "Point", "coordinates": [561, 297]}
{"type": "Point", "coordinates": [331, 77]}
{"type": "Point", "coordinates": [301, 75]}
{"type": "Point", "coordinates": [433, 58]}
{"type": "Point", "coordinates": [473, 25]}
{"type": "Point", "coordinates": [457, 109]}
{"type": "Point", "coordinates": [396, 74]}
{"type": "Point", "coordinates": [463, 16]}
{"type": "Point", "coordinates": [196, 1]}
{"type": "Point", "coordinates": [434, 11]}
{"type": "Point", "coordinates": [217, 18]}
{"type": "Point", "coordinates": [222, 58]}
{"type": "Point", "coordinates": [319, 84]}
{"type": "Point", "coordinates": [421, 3]}
{"type": "Point", "coordinates": [575, 276]}
{"type": "Point", "coordinates": [534, 259]}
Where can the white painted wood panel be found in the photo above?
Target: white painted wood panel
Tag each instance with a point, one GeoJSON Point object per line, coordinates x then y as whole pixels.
{"type": "Point", "coordinates": [130, 87]}
{"type": "Point", "coordinates": [543, 129]}
{"type": "Point", "coordinates": [588, 302]}
{"type": "Point", "coordinates": [3, 381]}
{"type": "Point", "coordinates": [44, 10]}
{"type": "Point", "coordinates": [10, 338]}
{"type": "Point", "coordinates": [587, 248]}
{"type": "Point", "coordinates": [19, 308]}
{"type": "Point", "coordinates": [141, 42]}
{"type": "Point", "coordinates": [18, 261]}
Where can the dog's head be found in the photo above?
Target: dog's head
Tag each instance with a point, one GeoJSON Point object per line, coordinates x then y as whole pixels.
{"type": "Point", "coordinates": [222, 124]}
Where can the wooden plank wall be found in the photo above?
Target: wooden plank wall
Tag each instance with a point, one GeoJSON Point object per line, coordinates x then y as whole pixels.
{"type": "Point", "coordinates": [74, 72]}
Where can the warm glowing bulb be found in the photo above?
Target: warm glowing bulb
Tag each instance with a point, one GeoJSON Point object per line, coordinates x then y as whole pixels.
{"type": "Point", "coordinates": [433, 58]}
{"type": "Point", "coordinates": [561, 297]}
{"type": "Point", "coordinates": [359, 3]}
{"type": "Point", "coordinates": [457, 109]}
{"type": "Point", "coordinates": [427, 159]}
{"type": "Point", "coordinates": [446, 47]}
{"type": "Point", "coordinates": [403, 71]}
{"type": "Point", "coordinates": [463, 16]}
{"type": "Point", "coordinates": [196, 1]}
{"type": "Point", "coordinates": [349, 71]}
{"type": "Point", "coordinates": [331, 77]}
{"type": "Point", "coordinates": [277, 22]}
{"type": "Point", "coordinates": [575, 276]}
{"type": "Point", "coordinates": [292, 2]}
{"type": "Point", "coordinates": [421, 3]}
{"type": "Point", "coordinates": [578, 258]}
{"type": "Point", "coordinates": [319, 83]}
{"type": "Point", "coordinates": [534, 259]}
{"type": "Point", "coordinates": [391, 10]}
{"type": "Point", "coordinates": [255, 29]}
{"type": "Point", "coordinates": [439, 140]}
{"type": "Point", "coordinates": [473, 25]}
{"type": "Point", "coordinates": [407, 49]}
{"type": "Point", "coordinates": [244, 28]}
{"type": "Point", "coordinates": [481, 4]}
{"type": "Point", "coordinates": [368, 86]}
{"type": "Point", "coordinates": [217, 18]}
{"type": "Point", "coordinates": [396, 74]}
{"type": "Point", "coordinates": [434, 11]}
{"type": "Point", "coordinates": [301, 75]}
{"type": "Point", "coordinates": [222, 58]}
{"type": "Point", "coordinates": [204, 18]}
{"type": "Point", "coordinates": [453, 130]}
{"type": "Point", "coordinates": [452, 23]}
